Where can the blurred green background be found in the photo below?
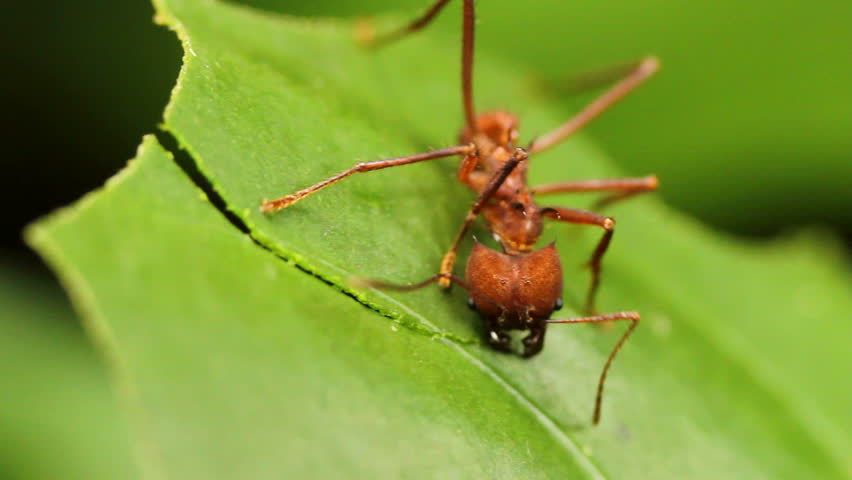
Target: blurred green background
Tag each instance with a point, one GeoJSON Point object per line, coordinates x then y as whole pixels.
{"type": "Point", "coordinates": [747, 126]}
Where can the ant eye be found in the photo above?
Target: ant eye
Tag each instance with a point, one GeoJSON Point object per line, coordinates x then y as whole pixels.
{"type": "Point", "coordinates": [558, 305]}
{"type": "Point", "coordinates": [518, 206]}
{"type": "Point", "coordinates": [471, 304]}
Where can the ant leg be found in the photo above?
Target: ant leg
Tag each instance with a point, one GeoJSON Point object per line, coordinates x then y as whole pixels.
{"type": "Point", "coordinates": [495, 335]}
{"type": "Point", "coordinates": [584, 81]}
{"type": "Point", "coordinates": [466, 168]}
{"type": "Point", "coordinates": [623, 188]}
{"type": "Point", "coordinates": [493, 184]}
{"type": "Point", "coordinates": [628, 83]}
{"type": "Point", "coordinates": [634, 318]}
{"type": "Point", "coordinates": [287, 200]}
{"type": "Point", "coordinates": [418, 24]}
{"type": "Point", "coordinates": [583, 217]}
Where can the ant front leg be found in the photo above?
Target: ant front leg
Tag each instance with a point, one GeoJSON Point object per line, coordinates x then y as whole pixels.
{"type": "Point", "coordinates": [572, 215]}
{"type": "Point", "coordinates": [287, 200]}
{"type": "Point", "coordinates": [487, 192]}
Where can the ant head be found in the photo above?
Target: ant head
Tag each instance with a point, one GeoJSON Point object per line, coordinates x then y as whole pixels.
{"type": "Point", "coordinates": [520, 288]}
{"type": "Point", "coordinates": [498, 128]}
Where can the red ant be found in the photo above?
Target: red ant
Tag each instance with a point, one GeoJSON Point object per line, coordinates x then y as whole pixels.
{"type": "Point", "coordinates": [519, 288]}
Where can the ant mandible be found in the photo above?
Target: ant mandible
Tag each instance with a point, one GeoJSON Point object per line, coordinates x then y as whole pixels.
{"type": "Point", "coordinates": [519, 288]}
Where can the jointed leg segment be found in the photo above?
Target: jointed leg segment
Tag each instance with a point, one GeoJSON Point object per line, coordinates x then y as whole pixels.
{"type": "Point", "coordinates": [572, 215]}
{"type": "Point", "coordinates": [642, 184]}
{"type": "Point", "coordinates": [636, 77]}
{"type": "Point", "coordinates": [588, 80]}
{"type": "Point", "coordinates": [286, 201]}
{"type": "Point", "coordinates": [623, 188]}
{"type": "Point", "coordinates": [493, 184]}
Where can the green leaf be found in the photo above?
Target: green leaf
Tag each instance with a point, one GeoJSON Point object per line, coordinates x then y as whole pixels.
{"type": "Point", "coordinates": [58, 418]}
{"type": "Point", "coordinates": [244, 366]}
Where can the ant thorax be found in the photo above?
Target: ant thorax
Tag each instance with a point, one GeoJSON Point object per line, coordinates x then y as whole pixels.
{"type": "Point", "coordinates": [511, 214]}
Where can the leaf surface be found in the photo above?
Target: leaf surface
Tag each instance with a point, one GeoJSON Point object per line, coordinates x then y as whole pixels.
{"type": "Point", "coordinates": [241, 366]}
{"type": "Point", "coordinates": [244, 365]}
{"type": "Point", "coordinates": [58, 417]}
